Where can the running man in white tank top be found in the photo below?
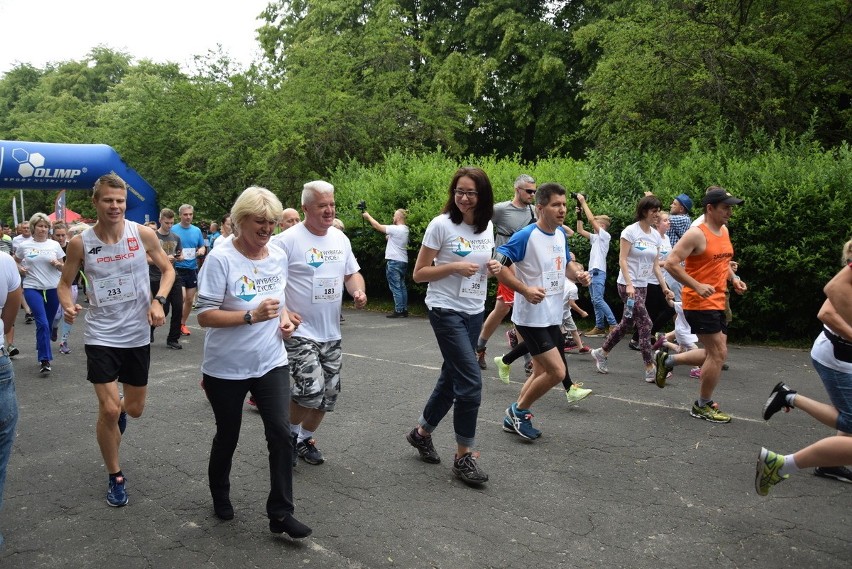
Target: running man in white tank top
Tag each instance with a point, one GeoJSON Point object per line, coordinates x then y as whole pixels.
{"type": "Point", "coordinates": [117, 337]}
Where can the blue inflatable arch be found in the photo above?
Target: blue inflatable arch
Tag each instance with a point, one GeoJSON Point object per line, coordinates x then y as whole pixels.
{"type": "Point", "coordinates": [48, 166]}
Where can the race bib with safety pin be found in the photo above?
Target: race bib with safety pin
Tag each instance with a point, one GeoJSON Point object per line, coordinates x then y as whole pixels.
{"type": "Point", "coordinates": [188, 253]}
{"type": "Point", "coordinates": [327, 289]}
{"type": "Point", "coordinates": [114, 290]}
{"type": "Point", "coordinates": [553, 282]}
{"type": "Point", "coordinates": [474, 286]}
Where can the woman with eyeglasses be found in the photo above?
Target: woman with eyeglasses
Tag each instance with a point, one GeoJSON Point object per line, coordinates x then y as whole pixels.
{"type": "Point", "coordinates": [455, 259]}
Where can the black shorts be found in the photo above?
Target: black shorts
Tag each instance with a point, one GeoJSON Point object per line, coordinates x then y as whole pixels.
{"type": "Point", "coordinates": [706, 321]}
{"type": "Point", "coordinates": [541, 340]}
{"type": "Point", "coordinates": [188, 277]}
{"type": "Point", "coordinates": [105, 364]}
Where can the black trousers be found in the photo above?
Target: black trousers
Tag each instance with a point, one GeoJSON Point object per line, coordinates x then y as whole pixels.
{"type": "Point", "coordinates": [271, 392]}
{"type": "Point", "coordinates": [174, 301]}
{"type": "Point", "coordinates": [658, 309]}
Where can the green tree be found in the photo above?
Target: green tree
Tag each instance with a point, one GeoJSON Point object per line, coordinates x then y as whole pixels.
{"type": "Point", "coordinates": [667, 71]}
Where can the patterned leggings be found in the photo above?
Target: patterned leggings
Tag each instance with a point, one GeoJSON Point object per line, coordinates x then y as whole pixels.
{"type": "Point", "coordinates": [640, 319]}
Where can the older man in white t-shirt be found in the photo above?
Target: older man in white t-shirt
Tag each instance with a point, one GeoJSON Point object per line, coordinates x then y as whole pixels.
{"type": "Point", "coordinates": [320, 265]}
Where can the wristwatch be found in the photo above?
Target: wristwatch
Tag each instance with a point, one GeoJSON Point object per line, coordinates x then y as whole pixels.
{"type": "Point", "coordinates": [247, 317]}
{"type": "Point", "coordinates": [161, 299]}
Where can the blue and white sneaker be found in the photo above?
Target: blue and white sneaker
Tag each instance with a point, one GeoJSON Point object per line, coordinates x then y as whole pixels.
{"type": "Point", "coordinates": [521, 424]}
{"type": "Point", "coordinates": [122, 419]}
{"type": "Point", "coordinates": [507, 426]}
{"type": "Point", "coordinates": [116, 495]}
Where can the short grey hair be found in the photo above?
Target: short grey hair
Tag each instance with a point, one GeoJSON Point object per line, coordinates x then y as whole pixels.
{"type": "Point", "coordinates": [524, 179]}
{"type": "Point", "coordinates": [311, 189]}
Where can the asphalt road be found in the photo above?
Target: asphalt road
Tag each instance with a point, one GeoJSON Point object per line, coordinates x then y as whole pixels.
{"type": "Point", "coordinates": [625, 478]}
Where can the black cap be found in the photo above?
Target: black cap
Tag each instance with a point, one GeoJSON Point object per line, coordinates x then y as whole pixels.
{"type": "Point", "coordinates": [720, 196]}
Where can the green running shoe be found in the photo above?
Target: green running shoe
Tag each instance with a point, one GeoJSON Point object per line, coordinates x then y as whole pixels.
{"type": "Point", "coordinates": [709, 412]}
{"type": "Point", "coordinates": [503, 370]}
{"type": "Point", "coordinates": [766, 471]}
{"type": "Point", "coordinates": [661, 371]}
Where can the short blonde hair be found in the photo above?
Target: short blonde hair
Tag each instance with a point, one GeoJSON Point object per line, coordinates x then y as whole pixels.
{"type": "Point", "coordinates": [255, 201]}
{"type": "Point", "coordinates": [38, 218]}
{"type": "Point", "coordinates": [847, 253]}
{"type": "Point", "coordinates": [603, 218]}
{"type": "Point", "coordinates": [111, 180]}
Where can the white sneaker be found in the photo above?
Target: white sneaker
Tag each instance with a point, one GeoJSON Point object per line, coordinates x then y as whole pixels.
{"type": "Point", "coordinates": [651, 374]}
{"type": "Point", "coordinates": [600, 360]}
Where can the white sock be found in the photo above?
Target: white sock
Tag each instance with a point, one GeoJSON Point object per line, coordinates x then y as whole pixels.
{"type": "Point", "coordinates": [305, 435]}
{"type": "Point", "coordinates": [295, 429]}
{"type": "Point", "coordinates": [789, 465]}
{"type": "Point", "coordinates": [791, 398]}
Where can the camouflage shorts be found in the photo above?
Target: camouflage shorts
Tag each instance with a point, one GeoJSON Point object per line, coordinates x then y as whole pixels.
{"type": "Point", "coordinates": [315, 372]}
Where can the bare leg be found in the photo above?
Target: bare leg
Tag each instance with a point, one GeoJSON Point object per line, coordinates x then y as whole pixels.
{"type": "Point", "coordinates": [830, 451]}
{"type": "Point", "coordinates": [553, 372]}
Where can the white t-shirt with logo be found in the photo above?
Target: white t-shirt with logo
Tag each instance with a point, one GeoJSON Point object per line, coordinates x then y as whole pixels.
{"type": "Point", "coordinates": [230, 281]}
{"type": "Point", "coordinates": [36, 257]}
{"type": "Point", "coordinates": [316, 268]}
{"type": "Point", "coordinates": [459, 243]}
{"type": "Point", "coordinates": [539, 259]}
{"type": "Point", "coordinates": [644, 248]}
{"type": "Point", "coordinates": [665, 249]}
{"type": "Point", "coordinates": [397, 245]}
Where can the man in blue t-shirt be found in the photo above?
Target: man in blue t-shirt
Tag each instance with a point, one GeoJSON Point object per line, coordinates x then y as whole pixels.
{"type": "Point", "coordinates": [192, 243]}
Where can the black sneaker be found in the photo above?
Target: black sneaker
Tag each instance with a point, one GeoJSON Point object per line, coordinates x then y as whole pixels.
{"type": "Point", "coordinates": [634, 345]}
{"type": "Point", "coordinates": [13, 351]}
{"type": "Point", "coordinates": [840, 473]}
{"type": "Point", "coordinates": [45, 367]}
{"type": "Point", "coordinates": [403, 314]}
{"type": "Point", "coordinates": [466, 470]}
{"type": "Point", "coordinates": [309, 452]}
{"type": "Point", "coordinates": [777, 400]}
{"type": "Point", "coordinates": [423, 446]}
{"type": "Point", "coordinates": [28, 318]}
{"type": "Point", "coordinates": [223, 508]}
{"type": "Point", "coordinates": [291, 526]}
{"type": "Point", "coordinates": [174, 345]}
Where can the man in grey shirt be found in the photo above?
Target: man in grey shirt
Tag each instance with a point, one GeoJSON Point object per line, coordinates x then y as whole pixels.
{"type": "Point", "coordinates": [508, 217]}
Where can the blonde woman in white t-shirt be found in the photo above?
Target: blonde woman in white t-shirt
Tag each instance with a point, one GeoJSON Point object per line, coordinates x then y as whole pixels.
{"type": "Point", "coordinates": [455, 259]}
{"type": "Point", "coordinates": [241, 304]}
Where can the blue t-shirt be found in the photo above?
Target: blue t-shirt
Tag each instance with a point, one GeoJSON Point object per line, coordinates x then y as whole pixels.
{"type": "Point", "coordinates": [190, 240]}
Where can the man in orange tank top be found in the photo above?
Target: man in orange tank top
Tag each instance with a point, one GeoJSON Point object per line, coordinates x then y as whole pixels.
{"type": "Point", "coordinates": [707, 252]}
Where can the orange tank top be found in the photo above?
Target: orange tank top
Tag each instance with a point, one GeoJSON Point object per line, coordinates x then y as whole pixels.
{"type": "Point", "coordinates": [710, 267]}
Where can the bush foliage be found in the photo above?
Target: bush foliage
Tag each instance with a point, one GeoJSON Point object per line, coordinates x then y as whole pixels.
{"type": "Point", "coordinates": [787, 235]}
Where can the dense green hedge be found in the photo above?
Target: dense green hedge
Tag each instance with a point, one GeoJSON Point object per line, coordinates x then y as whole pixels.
{"type": "Point", "coordinates": [787, 235]}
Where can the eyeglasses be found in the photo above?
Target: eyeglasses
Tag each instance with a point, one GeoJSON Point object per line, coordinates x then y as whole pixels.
{"type": "Point", "coordinates": [469, 194]}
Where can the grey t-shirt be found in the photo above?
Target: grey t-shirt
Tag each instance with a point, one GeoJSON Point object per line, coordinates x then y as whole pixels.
{"type": "Point", "coordinates": [171, 245]}
{"type": "Point", "coordinates": [508, 219]}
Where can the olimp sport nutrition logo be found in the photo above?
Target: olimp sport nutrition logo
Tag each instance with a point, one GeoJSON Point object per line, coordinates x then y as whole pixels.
{"type": "Point", "coordinates": [31, 168]}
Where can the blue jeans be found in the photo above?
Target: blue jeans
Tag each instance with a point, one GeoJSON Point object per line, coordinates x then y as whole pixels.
{"type": "Point", "coordinates": [838, 385]}
{"type": "Point", "coordinates": [43, 305]}
{"type": "Point", "coordinates": [395, 272]}
{"type": "Point", "coordinates": [8, 419]}
{"type": "Point", "coordinates": [460, 383]}
{"type": "Point", "coordinates": [603, 313]}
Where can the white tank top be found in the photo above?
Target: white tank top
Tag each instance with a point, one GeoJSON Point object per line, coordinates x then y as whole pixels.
{"type": "Point", "coordinates": [118, 290]}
